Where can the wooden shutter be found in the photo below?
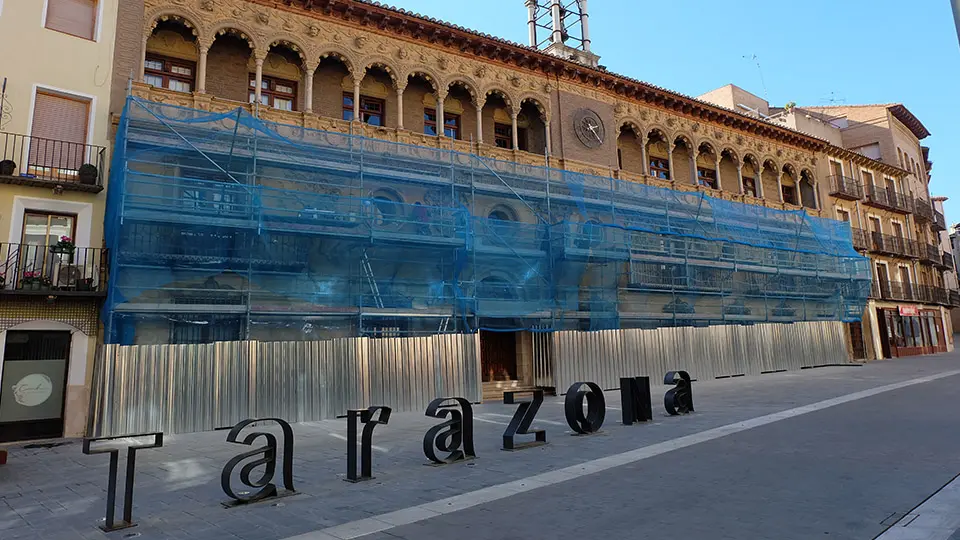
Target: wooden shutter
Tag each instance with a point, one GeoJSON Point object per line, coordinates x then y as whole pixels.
{"type": "Point", "coordinates": [75, 17]}
{"type": "Point", "coordinates": [58, 134]}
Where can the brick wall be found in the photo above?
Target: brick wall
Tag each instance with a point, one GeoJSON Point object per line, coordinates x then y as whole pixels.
{"type": "Point", "coordinates": [328, 89]}
{"type": "Point", "coordinates": [126, 57]}
{"type": "Point", "coordinates": [681, 166]}
{"type": "Point", "coordinates": [771, 189]}
{"type": "Point", "coordinates": [631, 156]}
{"type": "Point", "coordinates": [227, 70]}
{"type": "Point", "coordinates": [413, 106]}
{"type": "Point", "coordinates": [567, 145]}
{"type": "Point", "coordinates": [728, 175]}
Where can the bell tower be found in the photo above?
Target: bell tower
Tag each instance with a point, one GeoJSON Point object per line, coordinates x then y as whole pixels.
{"type": "Point", "coordinates": [561, 28]}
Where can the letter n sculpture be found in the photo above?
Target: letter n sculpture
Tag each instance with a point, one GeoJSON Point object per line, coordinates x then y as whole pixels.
{"type": "Point", "coordinates": [109, 523]}
{"type": "Point", "coordinates": [520, 423]}
{"type": "Point", "coordinates": [370, 417]}
{"type": "Point", "coordinates": [267, 457]}
{"type": "Point", "coordinates": [679, 399]}
{"type": "Point", "coordinates": [635, 400]}
{"type": "Point", "coordinates": [454, 436]}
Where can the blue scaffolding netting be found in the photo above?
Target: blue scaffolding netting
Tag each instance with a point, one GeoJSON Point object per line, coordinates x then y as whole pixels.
{"type": "Point", "coordinates": [224, 226]}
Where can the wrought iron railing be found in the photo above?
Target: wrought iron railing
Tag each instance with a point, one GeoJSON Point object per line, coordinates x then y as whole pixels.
{"type": "Point", "coordinates": [939, 221]}
{"type": "Point", "coordinates": [861, 239]}
{"type": "Point", "coordinates": [888, 198]}
{"type": "Point", "coordinates": [894, 245]}
{"type": "Point", "coordinates": [922, 209]}
{"type": "Point", "coordinates": [947, 260]}
{"type": "Point", "coordinates": [930, 253]}
{"type": "Point", "coordinates": [899, 290]}
{"type": "Point", "coordinates": [845, 188]}
{"type": "Point", "coordinates": [62, 267]}
{"type": "Point", "coordinates": [954, 297]}
{"type": "Point", "coordinates": [66, 162]}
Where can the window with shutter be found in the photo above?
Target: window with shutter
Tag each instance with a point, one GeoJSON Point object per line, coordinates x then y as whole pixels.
{"type": "Point", "coordinates": [74, 17]}
{"type": "Point", "coordinates": [58, 136]}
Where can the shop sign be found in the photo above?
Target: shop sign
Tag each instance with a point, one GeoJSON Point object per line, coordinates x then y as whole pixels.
{"type": "Point", "coordinates": [909, 311]}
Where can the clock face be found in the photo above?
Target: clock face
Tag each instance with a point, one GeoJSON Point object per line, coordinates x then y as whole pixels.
{"type": "Point", "coordinates": [589, 128]}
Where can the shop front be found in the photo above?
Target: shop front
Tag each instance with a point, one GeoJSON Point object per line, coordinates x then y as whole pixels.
{"type": "Point", "coordinates": [908, 330]}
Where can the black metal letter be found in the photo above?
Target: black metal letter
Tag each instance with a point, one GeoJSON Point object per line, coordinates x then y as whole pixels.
{"type": "Point", "coordinates": [109, 523]}
{"type": "Point", "coordinates": [520, 423]}
{"type": "Point", "coordinates": [369, 418]}
{"type": "Point", "coordinates": [451, 435]}
{"type": "Point", "coordinates": [573, 408]}
{"type": "Point", "coordinates": [678, 400]}
{"type": "Point", "coordinates": [635, 400]}
{"type": "Point", "coordinates": [268, 459]}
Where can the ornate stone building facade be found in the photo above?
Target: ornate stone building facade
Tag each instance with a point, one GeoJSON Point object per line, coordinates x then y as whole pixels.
{"type": "Point", "coordinates": [347, 66]}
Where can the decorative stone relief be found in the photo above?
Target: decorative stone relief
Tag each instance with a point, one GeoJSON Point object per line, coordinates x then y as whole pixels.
{"type": "Point", "coordinates": [360, 42]}
{"type": "Point", "coordinates": [207, 5]}
{"type": "Point", "coordinates": [313, 30]}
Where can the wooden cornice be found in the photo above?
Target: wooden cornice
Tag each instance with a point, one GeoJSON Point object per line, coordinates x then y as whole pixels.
{"type": "Point", "coordinates": [460, 40]}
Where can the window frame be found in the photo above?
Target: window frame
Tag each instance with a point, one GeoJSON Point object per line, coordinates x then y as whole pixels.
{"type": "Point", "coordinates": [784, 189]}
{"type": "Point", "coordinates": [364, 110]}
{"type": "Point", "coordinates": [659, 167]}
{"type": "Point", "coordinates": [499, 137]}
{"type": "Point", "coordinates": [166, 75]}
{"type": "Point", "coordinates": [752, 190]}
{"type": "Point", "coordinates": [94, 31]}
{"type": "Point", "coordinates": [272, 93]}
{"type": "Point", "coordinates": [705, 180]}
{"type": "Point", "coordinates": [456, 128]}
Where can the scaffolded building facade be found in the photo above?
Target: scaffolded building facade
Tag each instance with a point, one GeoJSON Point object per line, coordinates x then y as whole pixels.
{"type": "Point", "coordinates": [225, 227]}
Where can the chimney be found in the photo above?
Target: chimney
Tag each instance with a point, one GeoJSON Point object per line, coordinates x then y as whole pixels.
{"type": "Point", "coordinates": [568, 28]}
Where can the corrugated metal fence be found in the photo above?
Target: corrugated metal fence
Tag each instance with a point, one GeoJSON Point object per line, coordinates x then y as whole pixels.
{"type": "Point", "coordinates": [715, 351]}
{"type": "Point", "coordinates": [186, 388]}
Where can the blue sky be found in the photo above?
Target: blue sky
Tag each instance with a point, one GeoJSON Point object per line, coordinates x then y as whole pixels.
{"type": "Point", "coordinates": [813, 52]}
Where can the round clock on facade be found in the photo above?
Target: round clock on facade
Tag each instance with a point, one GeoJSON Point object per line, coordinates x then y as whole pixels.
{"type": "Point", "coordinates": [589, 128]}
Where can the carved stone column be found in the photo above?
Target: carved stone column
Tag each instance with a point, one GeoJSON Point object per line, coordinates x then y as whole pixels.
{"type": "Point", "coordinates": [780, 185]}
{"type": "Point", "coordinates": [693, 168]}
{"type": "Point", "coordinates": [546, 129]}
{"type": "Point", "coordinates": [400, 90]}
{"type": "Point", "coordinates": [202, 69]}
{"type": "Point", "coordinates": [719, 180]}
{"type": "Point", "coordinates": [479, 106]}
{"type": "Point", "coordinates": [258, 79]}
{"type": "Point", "coordinates": [308, 73]}
{"type": "Point", "coordinates": [514, 129]}
{"type": "Point", "coordinates": [670, 162]}
{"type": "Point", "coordinates": [645, 165]}
{"type": "Point", "coordinates": [740, 178]}
{"type": "Point", "coordinates": [441, 122]}
{"type": "Point", "coordinates": [356, 100]}
{"type": "Point", "coordinates": [143, 58]}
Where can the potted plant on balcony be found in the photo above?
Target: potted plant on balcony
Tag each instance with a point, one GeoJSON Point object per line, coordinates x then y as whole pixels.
{"type": "Point", "coordinates": [8, 167]}
{"type": "Point", "coordinates": [65, 245]}
{"type": "Point", "coordinates": [87, 174]}
{"type": "Point", "coordinates": [31, 280]}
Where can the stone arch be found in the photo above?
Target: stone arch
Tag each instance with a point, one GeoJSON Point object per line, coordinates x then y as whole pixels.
{"type": "Point", "coordinates": [383, 63]}
{"type": "Point", "coordinates": [684, 138]}
{"type": "Point", "coordinates": [507, 212]}
{"type": "Point", "coordinates": [631, 123]}
{"type": "Point", "coordinates": [293, 43]}
{"type": "Point", "coordinates": [752, 159]}
{"type": "Point", "coordinates": [162, 13]}
{"type": "Point", "coordinates": [734, 155]}
{"type": "Point", "coordinates": [469, 84]}
{"type": "Point", "coordinates": [656, 129]}
{"type": "Point", "coordinates": [241, 30]}
{"type": "Point", "coordinates": [790, 169]}
{"type": "Point", "coordinates": [427, 74]}
{"type": "Point", "coordinates": [335, 51]}
{"type": "Point", "coordinates": [809, 192]}
{"type": "Point", "coordinates": [507, 98]}
{"type": "Point", "coordinates": [537, 102]}
{"type": "Point", "coordinates": [764, 160]}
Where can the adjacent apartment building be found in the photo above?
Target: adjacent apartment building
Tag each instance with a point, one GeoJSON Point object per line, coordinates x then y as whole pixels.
{"type": "Point", "coordinates": [54, 122]}
{"type": "Point", "coordinates": [894, 220]}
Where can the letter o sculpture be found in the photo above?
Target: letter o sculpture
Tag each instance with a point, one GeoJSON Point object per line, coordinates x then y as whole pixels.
{"type": "Point", "coordinates": [573, 407]}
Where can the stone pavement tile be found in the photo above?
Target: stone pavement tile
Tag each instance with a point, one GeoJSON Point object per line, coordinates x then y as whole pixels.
{"type": "Point", "coordinates": [178, 486]}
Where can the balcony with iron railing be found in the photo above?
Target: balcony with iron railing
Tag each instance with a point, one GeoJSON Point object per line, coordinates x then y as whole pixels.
{"type": "Point", "coordinates": [954, 298]}
{"type": "Point", "coordinates": [897, 290]}
{"type": "Point", "coordinates": [39, 162]}
{"type": "Point", "coordinates": [946, 261]}
{"type": "Point", "coordinates": [845, 188]}
{"type": "Point", "coordinates": [930, 253]}
{"type": "Point", "coordinates": [922, 210]}
{"type": "Point", "coordinates": [939, 221]}
{"type": "Point", "coordinates": [861, 239]}
{"type": "Point", "coordinates": [893, 245]}
{"type": "Point", "coordinates": [888, 199]}
{"type": "Point", "coordinates": [60, 269]}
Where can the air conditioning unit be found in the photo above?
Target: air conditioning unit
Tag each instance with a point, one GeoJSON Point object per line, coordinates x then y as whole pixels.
{"type": "Point", "coordinates": [67, 276]}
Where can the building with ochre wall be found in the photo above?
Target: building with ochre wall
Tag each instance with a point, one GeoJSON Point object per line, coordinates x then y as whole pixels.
{"type": "Point", "coordinates": [340, 169]}
{"type": "Point", "coordinates": [54, 125]}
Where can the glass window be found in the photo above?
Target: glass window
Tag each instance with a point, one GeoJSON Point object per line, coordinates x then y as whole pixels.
{"type": "Point", "coordinates": [660, 168]}
{"type": "Point", "coordinates": [503, 136]}
{"type": "Point", "coordinates": [371, 109]}
{"type": "Point", "coordinates": [707, 177]}
{"type": "Point", "coordinates": [74, 17]}
{"type": "Point", "coordinates": [750, 186]}
{"type": "Point", "coordinates": [170, 73]}
{"type": "Point", "coordinates": [276, 93]}
{"type": "Point", "coordinates": [451, 123]}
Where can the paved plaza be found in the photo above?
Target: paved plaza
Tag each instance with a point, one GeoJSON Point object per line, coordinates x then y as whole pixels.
{"type": "Point", "coordinates": [835, 452]}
